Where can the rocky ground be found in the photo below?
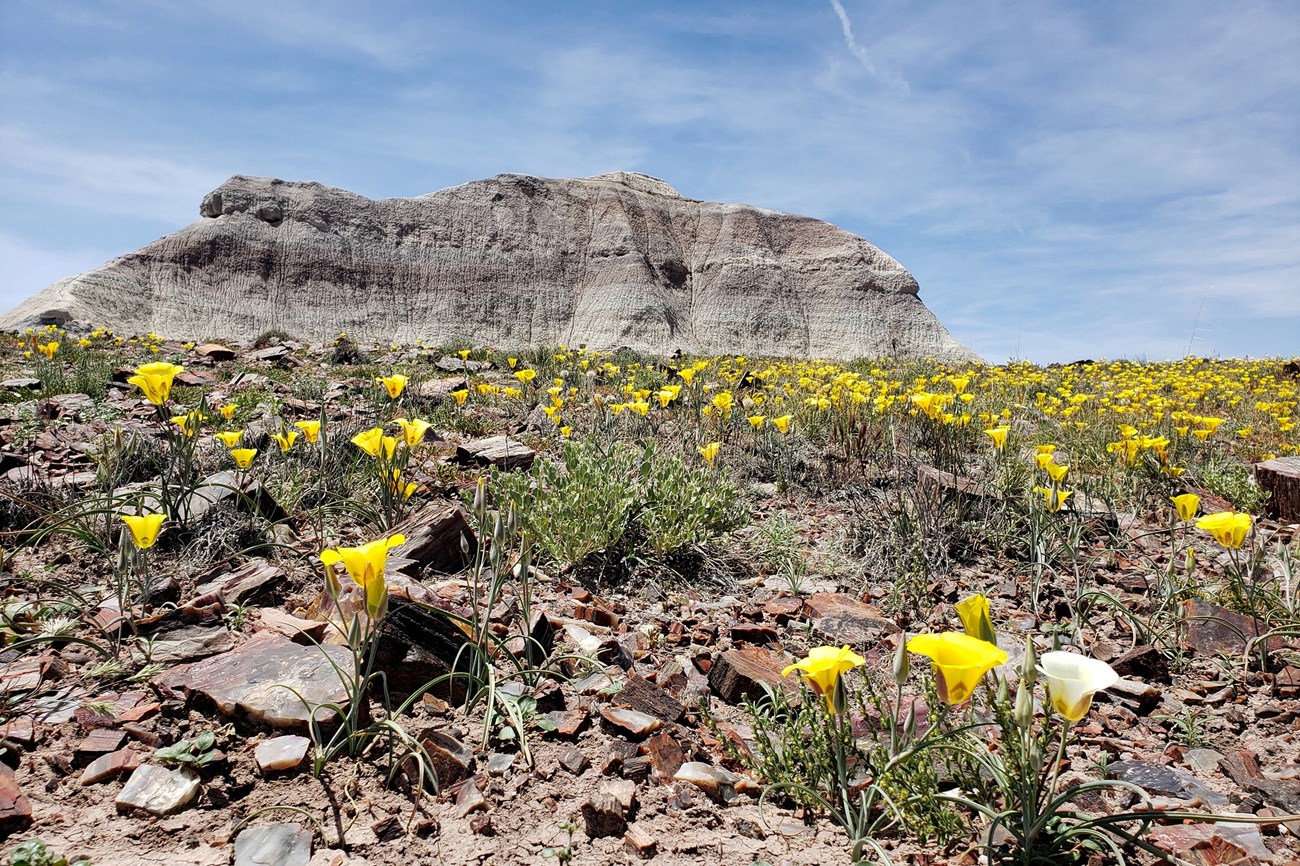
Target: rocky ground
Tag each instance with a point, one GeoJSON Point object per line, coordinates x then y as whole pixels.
{"type": "Point", "coordinates": [622, 764]}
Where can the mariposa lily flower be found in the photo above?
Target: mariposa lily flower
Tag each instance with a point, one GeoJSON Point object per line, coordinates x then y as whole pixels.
{"type": "Point", "coordinates": [48, 349]}
{"type": "Point", "coordinates": [243, 457]}
{"type": "Point", "coordinates": [710, 452]}
{"type": "Point", "coordinates": [393, 384]}
{"type": "Point", "coordinates": [228, 411]}
{"type": "Point", "coordinates": [155, 380]}
{"type": "Point", "coordinates": [229, 438]}
{"type": "Point", "coordinates": [144, 528]}
{"type": "Point", "coordinates": [1057, 471]}
{"type": "Point", "coordinates": [1072, 680]}
{"type": "Point", "coordinates": [366, 566]}
{"type": "Point", "coordinates": [998, 435]}
{"type": "Point", "coordinates": [974, 613]}
{"type": "Point", "coordinates": [189, 423]}
{"type": "Point", "coordinates": [1229, 528]}
{"type": "Point", "coordinates": [525, 376]}
{"type": "Point", "coordinates": [370, 441]}
{"type": "Point", "coordinates": [310, 430]}
{"type": "Point", "coordinates": [1186, 504]}
{"type": "Point", "coordinates": [823, 668]}
{"type": "Point", "coordinates": [460, 396]}
{"type": "Point", "coordinates": [1053, 497]}
{"type": "Point", "coordinates": [960, 661]}
{"type": "Point", "coordinates": [782, 423]}
{"type": "Point", "coordinates": [286, 440]}
{"type": "Point", "coordinates": [756, 421]}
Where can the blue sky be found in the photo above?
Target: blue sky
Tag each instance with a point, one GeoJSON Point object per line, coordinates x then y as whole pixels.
{"type": "Point", "coordinates": [1065, 180]}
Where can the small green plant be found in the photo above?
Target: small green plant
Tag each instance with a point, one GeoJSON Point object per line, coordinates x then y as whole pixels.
{"type": "Point", "coordinates": [34, 852]}
{"type": "Point", "coordinates": [563, 853]}
{"type": "Point", "coordinates": [192, 752]}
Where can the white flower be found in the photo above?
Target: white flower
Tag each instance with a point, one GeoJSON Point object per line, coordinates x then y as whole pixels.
{"type": "Point", "coordinates": [1072, 680]}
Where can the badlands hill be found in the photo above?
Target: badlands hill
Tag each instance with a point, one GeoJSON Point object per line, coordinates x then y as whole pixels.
{"type": "Point", "coordinates": [615, 260]}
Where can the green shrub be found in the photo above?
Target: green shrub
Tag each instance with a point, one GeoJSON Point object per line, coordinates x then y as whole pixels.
{"type": "Point", "coordinates": [600, 498]}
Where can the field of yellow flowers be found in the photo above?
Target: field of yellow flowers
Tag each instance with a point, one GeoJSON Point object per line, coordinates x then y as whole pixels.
{"type": "Point", "coordinates": [407, 603]}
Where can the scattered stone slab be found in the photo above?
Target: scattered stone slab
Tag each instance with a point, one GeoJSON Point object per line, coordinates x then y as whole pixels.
{"type": "Point", "coordinates": [281, 753]}
{"type": "Point", "coordinates": [641, 695]}
{"type": "Point", "coordinates": [742, 673]}
{"type": "Point", "coordinates": [110, 766]}
{"type": "Point", "coordinates": [245, 583]}
{"type": "Point", "coordinates": [500, 451]}
{"type": "Point", "coordinates": [1244, 843]}
{"type": "Point", "coordinates": [99, 742]}
{"type": "Point", "coordinates": [417, 644]}
{"type": "Point", "coordinates": [636, 724]}
{"type": "Point", "coordinates": [470, 799]}
{"type": "Point", "coordinates": [220, 487]}
{"type": "Point", "coordinates": [274, 845]}
{"type": "Point", "coordinates": [840, 619]}
{"type": "Point", "coordinates": [158, 790]}
{"type": "Point", "coordinates": [433, 540]}
{"type": "Point", "coordinates": [304, 631]}
{"type": "Point", "coordinates": [215, 352]}
{"type": "Point", "coordinates": [15, 808]}
{"type": "Point", "coordinates": [188, 643]}
{"type": "Point", "coordinates": [1243, 768]}
{"type": "Point", "coordinates": [1213, 630]}
{"type": "Point", "coordinates": [1164, 781]}
{"type": "Point", "coordinates": [451, 759]}
{"type": "Point", "coordinates": [270, 353]}
{"type": "Point", "coordinates": [606, 814]}
{"type": "Point", "coordinates": [665, 754]}
{"type": "Point", "coordinates": [639, 841]}
{"type": "Point", "coordinates": [938, 484]}
{"type": "Point", "coordinates": [1280, 478]}
{"type": "Point", "coordinates": [254, 681]}
{"type": "Point", "coordinates": [438, 389]}
{"type": "Point", "coordinates": [717, 783]}
{"type": "Point", "coordinates": [21, 383]}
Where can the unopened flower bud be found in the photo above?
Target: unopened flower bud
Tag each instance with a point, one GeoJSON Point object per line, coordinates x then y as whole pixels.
{"type": "Point", "coordinates": [902, 665]}
{"type": "Point", "coordinates": [1024, 709]}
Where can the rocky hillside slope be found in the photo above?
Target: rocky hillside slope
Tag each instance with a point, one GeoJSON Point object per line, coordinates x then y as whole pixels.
{"type": "Point", "coordinates": [616, 260]}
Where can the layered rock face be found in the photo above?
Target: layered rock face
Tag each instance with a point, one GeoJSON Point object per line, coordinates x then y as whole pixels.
{"type": "Point", "coordinates": [616, 260]}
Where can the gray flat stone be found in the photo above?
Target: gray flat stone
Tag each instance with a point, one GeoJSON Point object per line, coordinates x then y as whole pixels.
{"type": "Point", "coordinates": [281, 753]}
{"type": "Point", "coordinates": [1164, 781]}
{"type": "Point", "coordinates": [258, 681]}
{"type": "Point", "coordinates": [274, 845]}
{"type": "Point", "coordinates": [158, 790]}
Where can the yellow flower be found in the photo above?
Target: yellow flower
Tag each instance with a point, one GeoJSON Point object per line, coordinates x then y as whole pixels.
{"type": "Point", "coordinates": [566, 431]}
{"type": "Point", "coordinates": [525, 376]}
{"type": "Point", "coordinates": [512, 362]}
{"type": "Point", "coordinates": [48, 349]}
{"type": "Point", "coordinates": [369, 441]}
{"type": "Point", "coordinates": [756, 421]}
{"type": "Point", "coordinates": [959, 661]}
{"type": "Point", "coordinates": [393, 384]}
{"type": "Point", "coordinates": [286, 440]}
{"type": "Point", "coordinates": [310, 429]}
{"type": "Point", "coordinates": [1053, 497]}
{"type": "Point", "coordinates": [974, 613]}
{"type": "Point", "coordinates": [687, 374]}
{"type": "Point", "coordinates": [366, 566]}
{"type": "Point", "coordinates": [460, 396]}
{"type": "Point", "coordinates": [1229, 528]}
{"type": "Point", "coordinates": [1186, 504]}
{"type": "Point", "coordinates": [998, 435]}
{"type": "Point", "coordinates": [243, 457]}
{"type": "Point", "coordinates": [782, 424]}
{"type": "Point", "coordinates": [228, 411]}
{"type": "Point", "coordinates": [155, 380]}
{"type": "Point", "coordinates": [823, 668]}
{"type": "Point", "coordinates": [1043, 459]}
{"type": "Point", "coordinates": [83, 342]}
{"type": "Point", "coordinates": [189, 423]}
{"type": "Point", "coordinates": [230, 438]}
{"type": "Point", "coordinates": [1057, 471]}
{"type": "Point", "coordinates": [1072, 680]}
{"type": "Point", "coordinates": [710, 452]}
{"type": "Point", "coordinates": [413, 430]}
{"type": "Point", "coordinates": [144, 528]}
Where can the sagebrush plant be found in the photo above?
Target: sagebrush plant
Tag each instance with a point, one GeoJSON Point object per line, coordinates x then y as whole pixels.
{"type": "Point", "coordinates": [600, 496]}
